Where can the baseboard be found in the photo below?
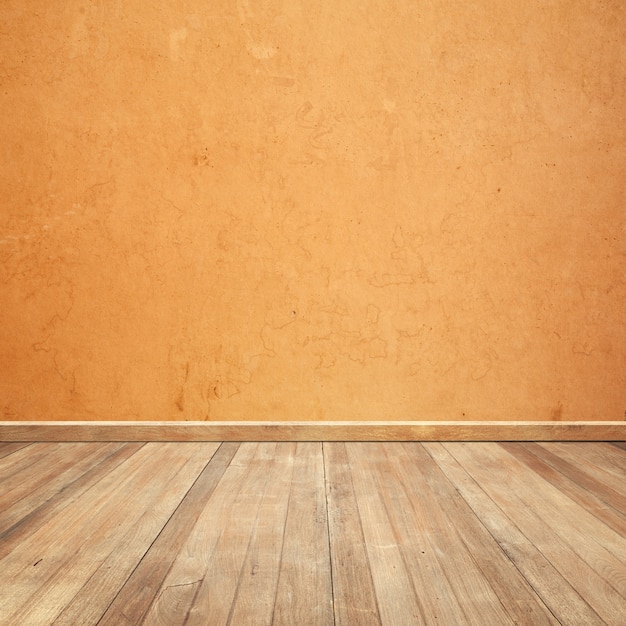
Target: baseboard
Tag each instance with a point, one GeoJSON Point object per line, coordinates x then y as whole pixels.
{"type": "Point", "coordinates": [313, 431]}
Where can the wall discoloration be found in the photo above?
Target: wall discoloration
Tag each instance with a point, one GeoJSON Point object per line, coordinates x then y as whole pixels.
{"type": "Point", "coordinates": [289, 210]}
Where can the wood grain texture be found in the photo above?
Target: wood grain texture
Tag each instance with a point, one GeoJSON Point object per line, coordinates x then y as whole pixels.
{"type": "Point", "coordinates": [257, 582]}
{"type": "Point", "coordinates": [354, 598]}
{"type": "Point", "coordinates": [574, 480]}
{"type": "Point", "coordinates": [130, 524]}
{"type": "Point", "coordinates": [140, 590]}
{"type": "Point", "coordinates": [589, 554]}
{"type": "Point", "coordinates": [51, 548]}
{"type": "Point", "coordinates": [312, 431]}
{"type": "Point", "coordinates": [141, 531]}
{"type": "Point", "coordinates": [305, 556]}
{"type": "Point", "coordinates": [215, 551]}
{"type": "Point", "coordinates": [466, 552]}
{"type": "Point", "coordinates": [395, 591]}
{"type": "Point", "coordinates": [35, 507]}
{"type": "Point", "coordinates": [343, 533]}
{"type": "Point", "coordinates": [9, 448]}
{"type": "Point", "coordinates": [550, 583]}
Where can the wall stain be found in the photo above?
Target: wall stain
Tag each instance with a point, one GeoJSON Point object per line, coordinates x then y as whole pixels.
{"type": "Point", "coordinates": [557, 412]}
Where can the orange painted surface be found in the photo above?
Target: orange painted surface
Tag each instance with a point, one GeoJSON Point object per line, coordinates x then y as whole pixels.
{"type": "Point", "coordinates": [291, 210]}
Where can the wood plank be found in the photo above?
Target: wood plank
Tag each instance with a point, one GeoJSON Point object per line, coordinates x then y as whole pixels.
{"type": "Point", "coordinates": [600, 454]}
{"type": "Point", "coordinates": [237, 570]}
{"type": "Point", "coordinates": [174, 469]}
{"type": "Point", "coordinates": [9, 448]}
{"type": "Point", "coordinates": [492, 533]}
{"type": "Point", "coordinates": [135, 598]}
{"type": "Point", "coordinates": [40, 484]}
{"type": "Point", "coordinates": [33, 564]}
{"type": "Point", "coordinates": [354, 598]}
{"type": "Point", "coordinates": [605, 471]}
{"type": "Point", "coordinates": [211, 558]}
{"type": "Point", "coordinates": [606, 455]}
{"type": "Point", "coordinates": [70, 492]}
{"type": "Point", "coordinates": [416, 532]}
{"type": "Point", "coordinates": [304, 592]}
{"type": "Point", "coordinates": [314, 431]}
{"type": "Point", "coordinates": [217, 594]}
{"type": "Point", "coordinates": [602, 501]}
{"type": "Point", "coordinates": [27, 477]}
{"type": "Point", "coordinates": [465, 548]}
{"type": "Point", "coordinates": [13, 466]}
{"type": "Point", "coordinates": [397, 598]}
{"type": "Point", "coordinates": [551, 585]}
{"type": "Point", "coordinates": [447, 550]}
{"type": "Point", "coordinates": [565, 514]}
{"type": "Point", "coordinates": [258, 579]}
{"type": "Point", "coordinates": [91, 602]}
{"type": "Point", "coordinates": [585, 552]}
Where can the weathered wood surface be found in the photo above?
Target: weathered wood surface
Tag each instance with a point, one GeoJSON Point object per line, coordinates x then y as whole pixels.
{"type": "Point", "coordinates": [335, 533]}
{"type": "Point", "coordinates": [313, 431]}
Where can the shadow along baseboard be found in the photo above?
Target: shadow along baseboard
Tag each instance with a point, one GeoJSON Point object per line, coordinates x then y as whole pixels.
{"type": "Point", "coordinates": [313, 431]}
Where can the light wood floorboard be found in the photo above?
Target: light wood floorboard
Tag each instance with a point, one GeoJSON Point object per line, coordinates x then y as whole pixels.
{"type": "Point", "coordinates": [312, 533]}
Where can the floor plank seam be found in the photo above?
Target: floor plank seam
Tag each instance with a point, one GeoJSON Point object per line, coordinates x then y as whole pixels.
{"type": "Point", "coordinates": [169, 524]}
{"type": "Point", "coordinates": [282, 543]}
{"type": "Point", "coordinates": [480, 523]}
{"type": "Point", "coordinates": [503, 549]}
{"type": "Point", "coordinates": [253, 533]}
{"type": "Point", "coordinates": [324, 533]}
{"type": "Point", "coordinates": [369, 564]}
{"type": "Point", "coordinates": [330, 549]}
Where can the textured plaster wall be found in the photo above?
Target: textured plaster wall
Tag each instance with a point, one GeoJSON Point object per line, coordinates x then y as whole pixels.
{"type": "Point", "coordinates": [285, 210]}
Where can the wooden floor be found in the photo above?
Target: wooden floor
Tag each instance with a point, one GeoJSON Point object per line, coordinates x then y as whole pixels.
{"type": "Point", "coordinates": [312, 533]}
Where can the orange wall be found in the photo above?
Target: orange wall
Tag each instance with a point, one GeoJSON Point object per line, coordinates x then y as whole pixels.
{"type": "Point", "coordinates": [294, 210]}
